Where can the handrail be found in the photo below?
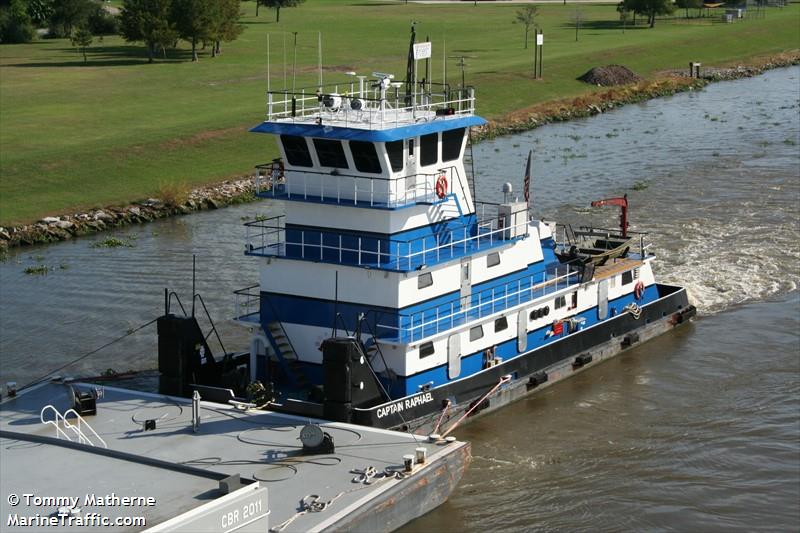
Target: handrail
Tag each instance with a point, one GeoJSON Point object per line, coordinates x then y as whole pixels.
{"type": "Point", "coordinates": [213, 326]}
{"type": "Point", "coordinates": [351, 188]}
{"type": "Point", "coordinates": [82, 438]}
{"type": "Point", "coordinates": [376, 110]}
{"type": "Point", "coordinates": [250, 298]}
{"type": "Point", "coordinates": [272, 241]}
{"type": "Point", "coordinates": [446, 321]}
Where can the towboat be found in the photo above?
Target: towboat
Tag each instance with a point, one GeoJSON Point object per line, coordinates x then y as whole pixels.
{"type": "Point", "coordinates": [389, 295]}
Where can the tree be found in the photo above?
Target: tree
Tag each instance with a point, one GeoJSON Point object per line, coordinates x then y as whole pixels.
{"type": "Point", "coordinates": [15, 23]}
{"type": "Point", "coordinates": [226, 25]}
{"type": "Point", "coordinates": [101, 22]}
{"type": "Point", "coordinates": [40, 11]}
{"type": "Point", "coordinates": [194, 20]}
{"type": "Point", "coordinates": [526, 17]}
{"type": "Point", "coordinates": [623, 14]}
{"type": "Point", "coordinates": [651, 8]}
{"type": "Point", "coordinates": [577, 18]}
{"type": "Point", "coordinates": [278, 4]}
{"type": "Point", "coordinates": [148, 21]}
{"type": "Point", "coordinates": [68, 15]}
{"type": "Point", "coordinates": [689, 4]}
{"type": "Point", "coordinates": [81, 39]}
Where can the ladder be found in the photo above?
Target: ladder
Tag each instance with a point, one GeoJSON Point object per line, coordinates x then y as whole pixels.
{"type": "Point", "coordinates": [469, 167]}
{"type": "Point", "coordinates": [76, 430]}
{"type": "Point", "coordinates": [284, 351]}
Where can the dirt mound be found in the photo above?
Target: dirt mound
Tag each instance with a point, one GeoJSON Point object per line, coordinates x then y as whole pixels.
{"type": "Point", "coordinates": [610, 75]}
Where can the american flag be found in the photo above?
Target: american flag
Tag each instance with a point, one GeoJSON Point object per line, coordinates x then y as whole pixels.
{"type": "Point", "coordinates": [527, 185]}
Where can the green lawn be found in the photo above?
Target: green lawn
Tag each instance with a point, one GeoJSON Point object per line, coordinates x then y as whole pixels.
{"type": "Point", "coordinates": [117, 129]}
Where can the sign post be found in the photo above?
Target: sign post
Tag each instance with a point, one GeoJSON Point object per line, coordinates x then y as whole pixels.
{"type": "Point", "coordinates": [538, 51]}
{"type": "Point", "coordinates": [421, 51]}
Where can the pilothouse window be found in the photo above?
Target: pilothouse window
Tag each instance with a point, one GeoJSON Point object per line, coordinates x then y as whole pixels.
{"type": "Point", "coordinates": [429, 149]}
{"type": "Point", "coordinates": [296, 150]}
{"type": "Point", "coordinates": [365, 157]}
{"type": "Point", "coordinates": [330, 153]}
{"type": "Point", "coordinates": [395, 151]}
{"type": "Point", "coordinates": [451, 144]}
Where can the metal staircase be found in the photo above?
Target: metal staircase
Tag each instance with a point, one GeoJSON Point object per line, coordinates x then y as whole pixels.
{"type": "Point", "coordinates": [469, 166]}
{"type": "Point", "coordinates": [287, 356]}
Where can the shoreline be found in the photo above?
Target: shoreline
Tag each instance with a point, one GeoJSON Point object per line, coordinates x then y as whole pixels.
{"type": "Point", "coordinates": [237, 191]}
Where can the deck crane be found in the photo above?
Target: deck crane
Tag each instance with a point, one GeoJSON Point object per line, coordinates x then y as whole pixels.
{"type": "Point", "coordinates": [622, 203]}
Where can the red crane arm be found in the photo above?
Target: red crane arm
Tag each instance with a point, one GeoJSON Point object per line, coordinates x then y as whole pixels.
{"type": "Point", "coordinates": [622, 203]}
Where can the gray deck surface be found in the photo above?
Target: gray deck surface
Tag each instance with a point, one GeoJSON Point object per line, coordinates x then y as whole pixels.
{"type": "Point", "coordinates": [257, 445]}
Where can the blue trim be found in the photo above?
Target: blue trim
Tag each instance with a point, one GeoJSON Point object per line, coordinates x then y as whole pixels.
{"type": "Point", "coordinates": [308, 311]}
{"type": "Point", "coordinates": [356, 134]}
{"type": "Point", "coordinates": [473, 363]}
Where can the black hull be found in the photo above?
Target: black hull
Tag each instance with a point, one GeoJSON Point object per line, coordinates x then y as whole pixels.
{"type": "Point", "coordinates": [423, 412]}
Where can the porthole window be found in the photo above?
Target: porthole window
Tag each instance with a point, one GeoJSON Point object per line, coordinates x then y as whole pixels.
{"type": "Point", "coordinates": [475, 333]}
{"type": "Point", "coordinates": [424, 280]}
{"type": "Point", "coordinates": [426, 350]}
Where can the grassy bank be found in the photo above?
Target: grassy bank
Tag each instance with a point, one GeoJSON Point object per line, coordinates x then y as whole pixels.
{"type": "Point", "coordinates": [74, 136]}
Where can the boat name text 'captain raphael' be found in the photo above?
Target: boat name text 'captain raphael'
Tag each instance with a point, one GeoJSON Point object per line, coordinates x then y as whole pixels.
{"type": "Point", "coordinates": [408, 403]}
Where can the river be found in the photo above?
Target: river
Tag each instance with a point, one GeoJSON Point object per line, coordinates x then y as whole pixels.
{"type": "Point", "coordinates": [698, 430]}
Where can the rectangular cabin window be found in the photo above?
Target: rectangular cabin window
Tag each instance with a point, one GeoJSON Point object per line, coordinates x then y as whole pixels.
{"type": "Point", "coordinates": [424, 280]}
{"type": "Point", "coordinates": [429, 149]}
{"type": "Point", "coordinates": [493, 259]}
{"type": "Point", "coordinates": [561, 301]}
{"type": "Point", "coordinates": [296, 150]}
{"type": "Point", "coordinates": [395, 151]}
{"type": "Point", "coordinates": [451, 144]}
{"type": "Point", "coordinates": [500, 324]}
{"type": "Point", "coordinates": [330, 153]}
{"type": "Point", "coordinates": [426, 349]}
{"type": "Point", "coordinates": [627, 277]}
{"type": "Point", "coordinates": [574, 303]}
{"type": "Point", "coordinates": [365, 157]}
{"type": "Point", "coordinates": [475, 333]}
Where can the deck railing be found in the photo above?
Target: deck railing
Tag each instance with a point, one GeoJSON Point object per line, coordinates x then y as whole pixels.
{"type": "Point", "coordinates": [407, 328]}
{"type": "Point", "coordinates": [268, 237]}
{"type": "Point", "coordinates": [347, 105]}
{"type": "Point", "coordinates": [373, 191]}
{"type": "Point", "coordinates": [247, 303]}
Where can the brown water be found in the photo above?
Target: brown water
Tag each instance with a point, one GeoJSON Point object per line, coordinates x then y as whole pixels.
{"type": "Point", "coordinates": [698, 430]}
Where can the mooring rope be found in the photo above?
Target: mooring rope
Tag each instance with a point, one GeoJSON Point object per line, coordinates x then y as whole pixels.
{"type": "Point", "coordinates": [505, 379]}
{"type": "Point", "coordinates": [84, 356]}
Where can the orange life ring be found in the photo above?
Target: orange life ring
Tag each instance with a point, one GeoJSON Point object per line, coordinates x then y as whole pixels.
{"type": "Point", "coordinates": [638, 291]}
{"type": "Point", "coordinates": [441, 186]}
